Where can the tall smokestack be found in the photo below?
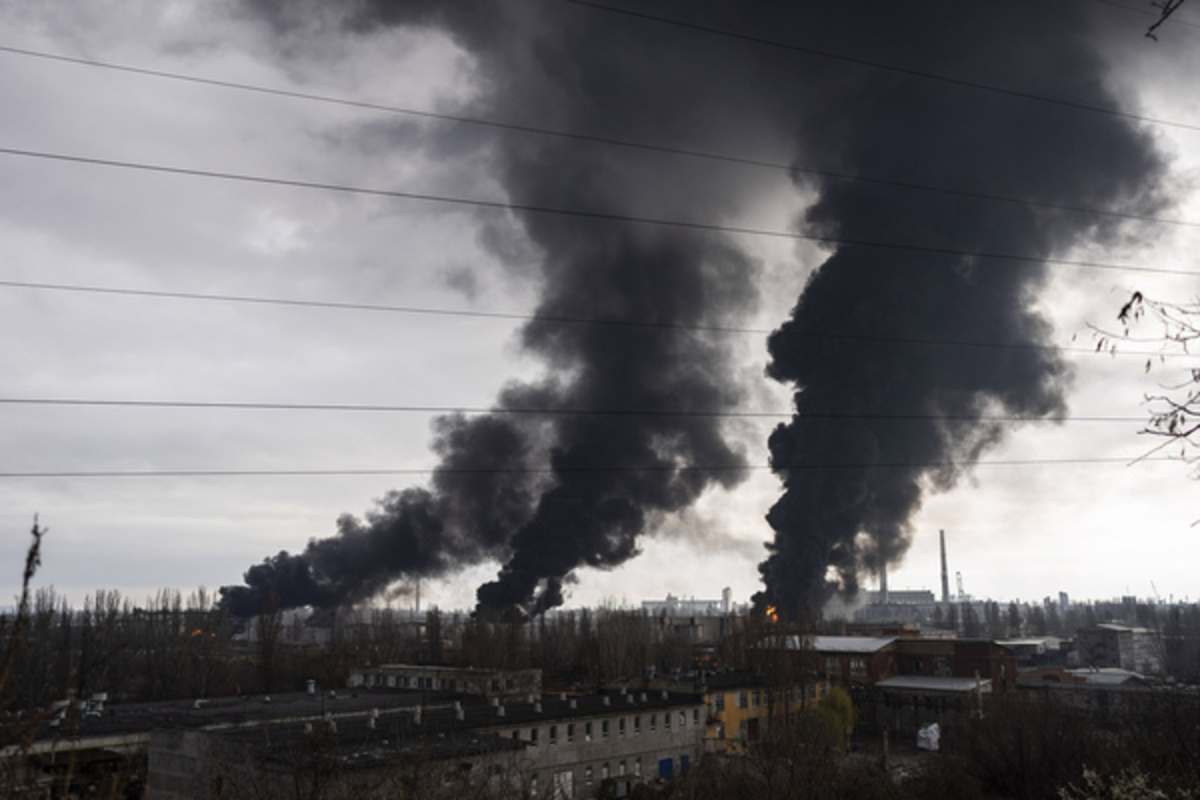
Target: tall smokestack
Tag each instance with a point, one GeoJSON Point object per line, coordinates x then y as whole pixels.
{"type": "Point", "coordinates": [883, 587]}
{"type": "Point", "coordinates": [945, 570]}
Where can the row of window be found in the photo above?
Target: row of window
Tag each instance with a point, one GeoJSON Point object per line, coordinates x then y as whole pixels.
{"type": "Point", "coordinates": [746, 698]}
{"type": "Point", "coordinates": [431, 683]}
{"type": "Point", "coordinates": [604, 729]}
{"type": "Point", "coordinates": [833, 665]}
{"type": "Point", "coordinates": [915, 665]}
{"type": "Point", "coordinates": [929, 702]}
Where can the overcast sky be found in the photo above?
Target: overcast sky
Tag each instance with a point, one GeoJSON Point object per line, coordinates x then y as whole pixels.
{"type": "Point", "coordinates": [1097, 528]}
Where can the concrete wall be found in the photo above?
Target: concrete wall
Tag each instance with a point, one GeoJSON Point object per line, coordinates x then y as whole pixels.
{"type": "Point", "coordinates": [636, 737]}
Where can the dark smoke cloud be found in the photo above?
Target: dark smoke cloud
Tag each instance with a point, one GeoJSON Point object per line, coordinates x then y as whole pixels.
{"type": "Point", "coordinates": [478, 497]}
{"type": "Point", "coordinates": [605, 480]}
{"type": "Point", "coordinates": [834, 522]}
{"type": "Point", "coordinates": [553, 64]}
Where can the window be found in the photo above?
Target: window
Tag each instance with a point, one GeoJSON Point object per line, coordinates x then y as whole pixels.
{"type": "Point", "coordinates": [604, 770]}
{"type": "Point", "coordinates": [533, 736]}
{"type": "Point", "coordinates": [621, 726]}
{"type": "Point", "coordinates": [604, 730]}
{"type": "Point", "coordinates": [695, 716]}
{"type": "Point", "coordinates": [858, 665]}
{"type": "Point", "coordinates": [637, 725]}
{"type": "Point", "coordinates": [719, 702]}
{"type": "Point", "coordinates": [637, 766]}
{"type": "Point", "coordinates": [667, 720]}
{"type": "Point", "coordinates": [833, 665]}
{"type": "Point", "coordinates": [754, 699]}
{"type": "Point", "coordinates": [683, 719]}
{"type": "Point", "coordinates": [720, 730]}
{"type": "Point", "coordinates": [941, 667]}
{"type": "Point", "coordinates": [653, 722]}
{"type": "Point", "coordinates": [742, 700]}
{"type": "Point", "coordinates": [570, 732]}
{"type": "Point", "coordinates": [516, 734]}
{"type": "Point", "coordinates": [587, 775]}
{"type": "Point", "coordinates": [533, 785]}
{"type": "Point", "coordinates": [587, 731]}
{"type": "Point", "coordinates": [553, 734]}
{"type": "Point", "coordinates": [621, 767]}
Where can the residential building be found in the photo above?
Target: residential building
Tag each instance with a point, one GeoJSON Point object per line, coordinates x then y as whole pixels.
{"type": "Point", "coordinates": [742, 705]}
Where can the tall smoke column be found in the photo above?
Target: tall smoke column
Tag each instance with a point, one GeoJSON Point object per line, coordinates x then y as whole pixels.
{"type": "Point", "coordinates": [611, 477]}
{"type": "Point", "coordinates": [852, 485]}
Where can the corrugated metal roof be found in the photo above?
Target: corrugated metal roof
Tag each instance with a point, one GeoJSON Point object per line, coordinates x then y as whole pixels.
{"type": "Point", "coordinates": [930, 683]}
{"type": "Point", "coordinates": [849, 644]}
{"type": "Point", "coordinates": [1108, 676]}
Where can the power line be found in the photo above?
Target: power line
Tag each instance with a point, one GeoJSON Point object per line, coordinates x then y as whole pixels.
{"type": "Point", "coordinates": [544, 411]}
{"type": "Point", "coordinates": [596, 139]}
{"type": "Point", "coordinates": [509, 316]}
{"type": "Point", "coordinates": [288, 473]}
{"type": "Point", "coordinates": [865, 62]}
{"type": "Point", "coordinates": [606, 216]}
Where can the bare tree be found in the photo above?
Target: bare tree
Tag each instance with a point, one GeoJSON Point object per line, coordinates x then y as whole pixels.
{"type": "Point", "coordinates": [1174, 411]}
{"type": "Point", "coordinates": [622, 643]}
{"type": "Point", "coordinates": [1165, 9]}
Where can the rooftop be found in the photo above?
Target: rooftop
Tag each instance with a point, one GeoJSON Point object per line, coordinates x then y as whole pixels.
{"type": "Point", "coordinates": [846, 644]}
{"type": "Point", "coordinates": [438, 712]}
{"type": "Point", "coordinates": [930, 683]}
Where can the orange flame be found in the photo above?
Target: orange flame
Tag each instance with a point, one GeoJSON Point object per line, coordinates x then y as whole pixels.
{"type": "Point", "coordinates": [772, 616]}
{"type": "Point", "coordinates": [197, 632]}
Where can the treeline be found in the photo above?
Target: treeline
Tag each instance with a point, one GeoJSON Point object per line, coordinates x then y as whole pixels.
{"type": "Point", "coordinates": [174, 647]}
{"type": "Point", "coordinates": [166, 648]}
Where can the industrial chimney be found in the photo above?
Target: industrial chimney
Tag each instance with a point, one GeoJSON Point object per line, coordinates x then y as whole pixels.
{"type": "Point", "coordinates": [883, 587]}
{"type": "Point", "coordinates": [945, 571]}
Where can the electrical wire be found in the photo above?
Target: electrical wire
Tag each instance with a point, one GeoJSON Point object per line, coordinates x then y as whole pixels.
{"type": "Point", "coordinates": [727, 158]}
{"type": "Point", "coordinates": [506, 316]}
{"type": "Point", "coordinates": [672, 468]}
{"type": "Point", "coordinates": [588, 214]}
{"type": "Point", "coordinates": [544, 411]}
{"type": "Point", "coordinates": [878, 65]}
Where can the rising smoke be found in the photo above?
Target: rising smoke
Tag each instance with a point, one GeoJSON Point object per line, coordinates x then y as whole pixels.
{"type": "Point", "coordinates": [851, 486]}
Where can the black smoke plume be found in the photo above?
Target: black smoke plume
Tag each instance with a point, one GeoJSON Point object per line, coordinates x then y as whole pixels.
{"type": "Point", "coordinates": [851, 486]}
{"type": "Point", "coordinates": [604, 480]}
